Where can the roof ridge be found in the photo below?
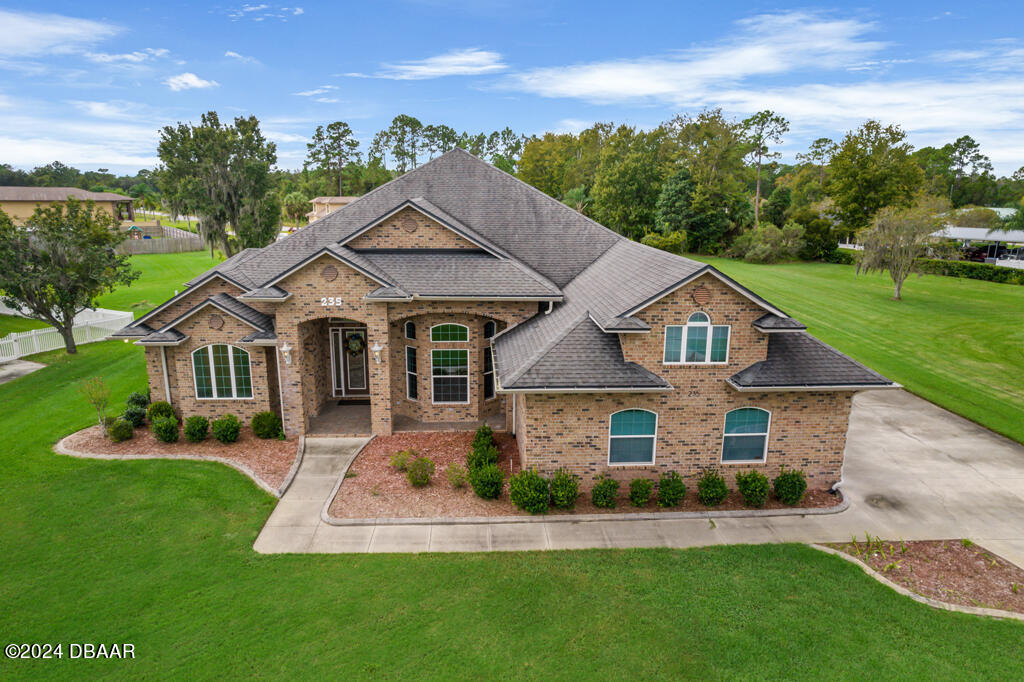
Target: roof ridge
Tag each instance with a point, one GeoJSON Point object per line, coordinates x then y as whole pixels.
{"type": "Point", "coordinates": [547, 348]}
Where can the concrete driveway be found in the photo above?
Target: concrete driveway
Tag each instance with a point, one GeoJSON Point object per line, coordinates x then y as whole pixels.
{"type": "Point", "coordinates": [913, 471]}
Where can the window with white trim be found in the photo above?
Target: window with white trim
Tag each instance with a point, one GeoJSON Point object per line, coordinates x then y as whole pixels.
{"type": "Point", "coordinates": [488, 374]}
{"type": "Point", "coordinates": [221, 372]}
{"type": "Point", "coordinates": [631, 437]}
{"type": "Point", "coordinates": [746, 435]}
{"type": "Point", "coordinates": [449, 332]}
{"type": "Point", "coordinates": [411, 389]}
{"type": "Point", "coordinates": [697, 342]}
{"type": "Point", "coordinates": [449, 373]}
{"type": "Point", "coordinates": [410, 330]}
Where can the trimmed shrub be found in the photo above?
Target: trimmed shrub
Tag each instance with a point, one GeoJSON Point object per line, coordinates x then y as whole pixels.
{"type": "Point", "coordinates": [487, 481]}
{"type": "Point", "coordinates": [529, 491]}
{"type": "Point", "coordinates": [159, 410]}
{"type": "Point", "coordinates": [640, 490]}
{"type": "Point", "coordinates": [456, 474]}
{"type": "Point", "coordinates": [604, 492]}
{"type": "Point", "coordinates": [483, 437]}
{"type": "Point", "coordinates": [197, 427]}
{"type": "Point", "coordinates": [420, 471]}
{"type": "Point", "coordinates": [137, 399]}
{"type": "Point", "coordinates": [790, 486]}
{"type": "Point", "coordinates": [165, 429]}
{"type": "Point", "coordinates": [565, 488]}
{"type": "Point", "coordinates": [673, 242]}
{"type": "Point", "coordinates": [400, 460]}
{"type": "Point", "coordinates": [671, 489]}
{"type": "Point", "coordinates": [711, 488]}
{"type": "Point", "coordinates": [120, 430]}
{"type": "Point", "coordinates": [134, 415]}
{"type": "Point", "coordinates": [753, 486]}
{"type": "Point", "coordinates": [266, 425]}
{"type": "Point", "coordinates": [481, 456]}
{"type": "Point", "coordinates": [971, 270]}
{"type": "Point", "coordinates": [226, 428]}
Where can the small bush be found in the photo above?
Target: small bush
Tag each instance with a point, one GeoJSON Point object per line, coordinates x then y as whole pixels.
{"type": "Point", "coordinates": [134, 415]}
{"type": "Point", "coordinates": [482, 456]}
{"type": "Point", "coordinates": [565, 488]}
{"type": "Point", "coordinates": [529, 491]}
{"type": "Point", "coordinates": [753, 486]}
{"type": "Point", "coordinates": [266, 425]}
{"type": "Point", "coordinates": [640, 490]}
{"type": "Point", "coordinates": [790, 486]}
{"type": "Point", "coordinates": [165, 429]}
{"type": "Point", "coordinates": [672, 242]}
{"type": "Point", "coordinates": [138, 400]}
{"type": "Point", "coordinates": [671, 489]}
{"type": "Point", "coordinates": [711, 488]}
{"type": "Point", "coordinates": [964, 268]}
{"type": "Point", "coordinates": [400, 460]}
{"type": "Point", "coordinates": [483, 437]}
{"type": "Point", "coordinates": [456, 474]}
{"type": "Point", "coordinates": [604, 492]}
{"type": "Point", "coordinates": [120, 430]}
{"type": "Point", "coordinates": [487, 481]}
{"type": "Point", "coordinates": [197, 428]}
{"type": "Point", "coordinates": [226, 428]}
{"type": "Point", "coordinates": [160, 410]}
{"type": "Point", "coordinates": [420, 471]}
{"type": "Point", "coordinates": [769, 244]}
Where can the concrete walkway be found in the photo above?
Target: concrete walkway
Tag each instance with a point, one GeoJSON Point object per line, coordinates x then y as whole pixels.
{"type": "Point", "coordinates": [913, 471]}
{"type": "Point", "coordinates": [9, 371]}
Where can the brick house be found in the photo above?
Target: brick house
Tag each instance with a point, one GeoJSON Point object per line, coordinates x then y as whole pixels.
{"type": "Point", "coordinates": [457, 294]}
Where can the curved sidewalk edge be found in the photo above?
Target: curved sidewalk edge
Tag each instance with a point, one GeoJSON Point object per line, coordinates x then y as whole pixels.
{"type": "Point", "coordinates": [934, 603]}
{"type": "Point", "coordinates": [567, 518]}
{"type": "Point", "coordinates": [62, 448]}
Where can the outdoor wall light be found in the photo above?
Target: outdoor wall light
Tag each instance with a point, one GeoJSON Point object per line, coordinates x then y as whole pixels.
{"type": "Point", "coordinates": [286, 351]}
{"type": "Point", "coordinates": [377, 348]}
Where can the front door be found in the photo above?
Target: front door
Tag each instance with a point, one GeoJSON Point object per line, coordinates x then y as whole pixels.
{"type": "Point", "coordinates": [349, 361]}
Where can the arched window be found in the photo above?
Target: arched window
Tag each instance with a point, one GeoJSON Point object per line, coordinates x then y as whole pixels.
{"type": "Point", "coordinates": [696, 342]}
{"type": "Point", "coordinates": [746, 435]}
{"type": "Point", "coordinates": [449, 332]}
{"type": "Point", "coordinates": [221, 372]}
{"type": "Point", "coordinates": [631, 437]}
{"type": "Point", "coordinates": [489, 329]}
{"type": "Point", "coordinates": [410, 330]}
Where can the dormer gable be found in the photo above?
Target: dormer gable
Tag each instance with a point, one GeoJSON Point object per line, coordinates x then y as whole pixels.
{"type": "Point", "coordinates": [418, 224]}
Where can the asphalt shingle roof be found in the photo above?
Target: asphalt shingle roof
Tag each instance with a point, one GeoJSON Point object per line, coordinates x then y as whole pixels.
{"type": "Point", "coordinates": [10, 193]}
{"type": "Point", "coordinates": [771, 321]}
{"type": "Point", "coordinates": [799, 360]}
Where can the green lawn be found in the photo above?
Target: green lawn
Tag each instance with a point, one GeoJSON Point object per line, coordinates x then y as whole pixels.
{"type": "Point", "coordinates": [159, 554]}
{"type": "Point", "coordinates": [957, 342]}
{"type": "Point", "coordinates": [12, 323]}
{"type": "Point", "coordinates": [162, 275]}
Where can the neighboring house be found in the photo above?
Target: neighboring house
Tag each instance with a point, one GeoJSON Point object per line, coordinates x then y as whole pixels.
{"type": "Point", "coordinates": [21, 202]}
{"type": "Point", "coordinates": [325, 205]}
{"type": "Point", "coordinates": [457, 293]}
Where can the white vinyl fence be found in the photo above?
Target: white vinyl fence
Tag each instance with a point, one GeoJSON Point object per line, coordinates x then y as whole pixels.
{"type": "Point", "coordinates": [90, 325]}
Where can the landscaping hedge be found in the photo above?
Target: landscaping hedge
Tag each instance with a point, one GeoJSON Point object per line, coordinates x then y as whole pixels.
{"type": "Point", "coordinates": [754, 487]}
{"type": "Point", "coordinates": [529, 491]}
{"type": "Point", "coordinates": [419, 471]}
{"type": "Point", "coordinates": [671, 489]}
{"type": "Point", "coordinates": [790, 486]}
{"type": "Point", "coordinates": [711, 488]}
{"type": "Point", "coordinates": [160, 410]}
{"type": "Point", "coordinates": [266, 425]}
{"type": "Point", "coordinates": [196, 428]}
{"type": "Point", "coordinates": [487, 481]}
{"type": "Point", "coordinates": [565, 488]}
{"type": "Point", "coordinates": [971, 270]}
{"type": "Point", "coordinates": [226, 429]}
{"type": "Point", "coordinates": [640, 490]}
{"type": "Point", "coordinates": [120, 430]}
{"type": "Point", "coordinates": [134, 415]}
{"type": "Point", "coordinates": [604, 492]}
{"type": "Point", "coordinates": [165, 429]}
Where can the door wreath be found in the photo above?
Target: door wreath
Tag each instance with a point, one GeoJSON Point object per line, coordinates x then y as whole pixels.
{"type": "Point", "coordinates": [356, 343]}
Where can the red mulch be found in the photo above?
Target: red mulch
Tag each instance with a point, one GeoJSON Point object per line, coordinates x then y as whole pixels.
{"type": "Point", "coordinates": [947, 570]}
{"type": "Point", "coordinates": [373, 489]}
{"type": "Point", "coordinates": [269, 459]}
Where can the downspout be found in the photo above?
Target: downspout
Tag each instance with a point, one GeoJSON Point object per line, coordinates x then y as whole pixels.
{"type": "Point", "coordinates": [515, 398]}
{"type": "Point", "coordinates": [280, 386]}
{"type": "Point", "coordinates": [551, 306]}
{"type": "Point", "coordinates": [167, 379]}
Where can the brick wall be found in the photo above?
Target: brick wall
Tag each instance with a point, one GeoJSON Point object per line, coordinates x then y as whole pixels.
{"type": "Point", "coordinates": [410, 229]}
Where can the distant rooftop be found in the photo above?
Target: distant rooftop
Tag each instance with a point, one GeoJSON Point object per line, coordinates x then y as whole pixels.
{"type": "Point", "coordinates": [56, 194]}
{"type": "Point", "coordinates": [334, 200]}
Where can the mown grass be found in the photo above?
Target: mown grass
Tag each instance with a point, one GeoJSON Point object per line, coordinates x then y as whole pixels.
{"type": "Point", "coordinates": [956, 342]}
{"type": "Point", "coordinates": [12, 323]}
{"type": "Point", "coordinates": [160, 276]}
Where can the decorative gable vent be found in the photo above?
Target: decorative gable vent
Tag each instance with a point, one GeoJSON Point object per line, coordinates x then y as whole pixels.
{"type": "Point", "coordinates": [329, 273]}
{"type": "Point", "coordinates": [701, 295]}
{"type": "Point", "coordinates": [216, 321]}
{"type": "Point", "coordinates": [409, 224]}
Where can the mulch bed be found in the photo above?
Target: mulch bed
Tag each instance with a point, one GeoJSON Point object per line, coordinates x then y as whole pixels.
{"type": "Point", "coordinates": [269, 459]}
{"type": "Point", "coordinates": [953, 571]}
{"type": "Point", "coordinates": [373, 489]}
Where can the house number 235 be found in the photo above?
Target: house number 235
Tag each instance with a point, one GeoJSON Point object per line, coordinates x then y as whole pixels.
{"type": "Point", "coordinates": [326, 301]}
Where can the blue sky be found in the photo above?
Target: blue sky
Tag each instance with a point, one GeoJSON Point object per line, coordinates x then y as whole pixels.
{"type": "Point", "coordinates": [90, 83]}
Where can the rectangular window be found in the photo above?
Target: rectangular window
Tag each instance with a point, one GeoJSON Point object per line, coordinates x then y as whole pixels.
{"type": "Point", "coordinates": [222, 370]}
{"type": "Point", "coordinates": [719, 343]}
{"type": "Point", "coordinates": [696, 344]}
{"type": "Point", "coordinates": [201, 369]}
{"type": "Point", "coordinates": [488, 375]}
{"type": "Point", "coordinates": [411, 388]}
{"type": "Point", "coordinates": [673, 343]}
{"type": "Point", "coordinates": [243, 380]}
{"type": "Point", "coordinates": [450, 375]}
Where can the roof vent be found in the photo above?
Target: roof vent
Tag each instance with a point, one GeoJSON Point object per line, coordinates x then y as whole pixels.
{"type": "Point", "coordinates": [216, 321]}
{"type": "Point", "coordinates": [409, 224]}
{"type": "Point", "coordinates": [329, 273]}
{"type": "Point", "coordinates": [701, 295]}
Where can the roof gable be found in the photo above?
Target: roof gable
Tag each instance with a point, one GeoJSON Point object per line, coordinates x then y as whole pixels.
{"type": "Point", "coordinates": [411, 226]}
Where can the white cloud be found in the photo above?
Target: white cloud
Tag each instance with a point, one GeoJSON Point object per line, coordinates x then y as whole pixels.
{"type": "Point", "coordinates": [136, 57]}
{"type": "Point", "coordinates": [28, 34]}
{"type": "Point", "coordinates": [327, 100]}
{"type": "Point", "coordinates": [765, 45]}
{"type": "Point", "coordinates": [254, 8]}
{"type": "Point", "coordinates": [322, 90]}
{"type": "Point", "coordinates": [241, 58]}
{"type": "Point", "coordinates": [114, 109]}
{"type": "Point", "coordinates": [188, 81]}
{"type": "Point", "coordinates": [470, 62]}
{"type": "Point", "coordinates": [259, 12]}
{"type": "Point", "coordinates": [281, 137]}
